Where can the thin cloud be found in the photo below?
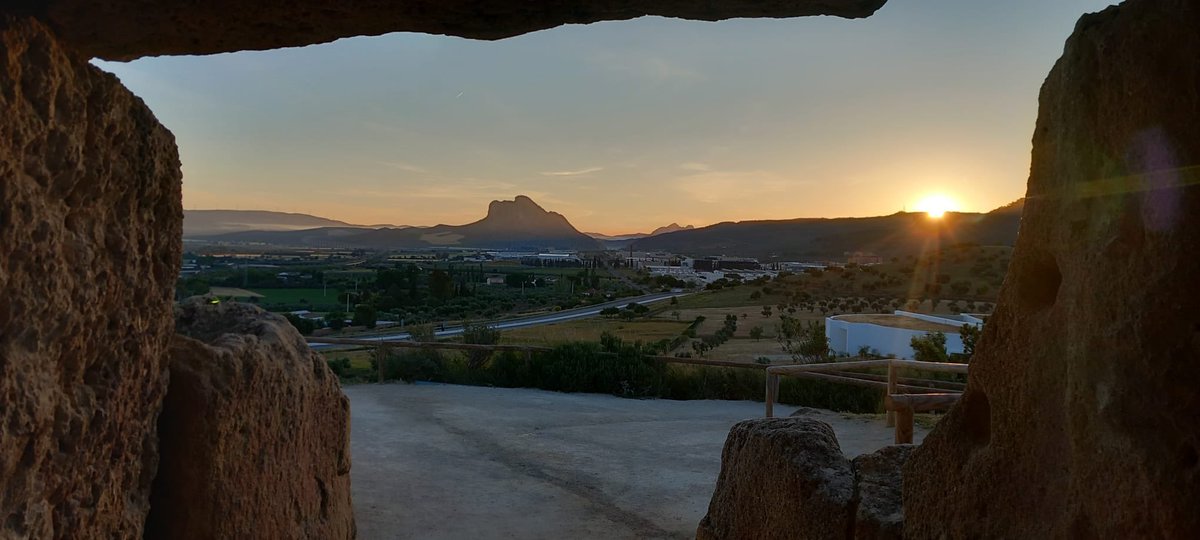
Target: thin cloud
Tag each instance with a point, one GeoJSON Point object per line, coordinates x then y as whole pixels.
{"type": "Point", "coordinates": [580, 172]}
{"type": "Point", "coordinates": [695, 166]}
{"type": "Point", "coordinates": [403, 166]}
{"type": "Point", "coordinates": [651, 68]}
{"type": "Point", "coordinates": [453, 190]}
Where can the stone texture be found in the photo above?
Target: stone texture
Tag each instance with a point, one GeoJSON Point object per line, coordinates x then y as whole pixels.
{"type": "Point", "coordinates": [879, 512]}
{"type": "Point", "coordinates": [781, 478]}
{"type": "Point", "coordinates": [127, 29]}
{"type": "Point", "coordinates": [1082, 414]}
{"type": "Point", "coordinates": [89, 251]}
{"type": "Point", "coordinates": [254, 432]}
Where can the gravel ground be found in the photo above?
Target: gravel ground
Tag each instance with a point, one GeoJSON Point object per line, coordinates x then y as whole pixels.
{"type": "Point", "coordinates": [434, 461]}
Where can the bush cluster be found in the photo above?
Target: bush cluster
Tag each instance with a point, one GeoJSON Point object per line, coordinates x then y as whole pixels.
{"type": "Point", "coordinates": [623, 369]}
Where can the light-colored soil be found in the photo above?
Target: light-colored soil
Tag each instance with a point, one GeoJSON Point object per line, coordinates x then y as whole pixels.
{"type": "Point", "coordinates": [434, 461]}
{"type": "Point", "coordinates": [896, 321]}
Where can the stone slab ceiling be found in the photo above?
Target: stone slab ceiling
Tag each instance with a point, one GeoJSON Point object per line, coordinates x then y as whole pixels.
{"type": "Point", "coordinates": [129, 29]}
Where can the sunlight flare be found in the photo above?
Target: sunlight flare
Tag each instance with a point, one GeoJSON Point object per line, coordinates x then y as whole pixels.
{"type": "Point", "coordinates": [936, 205]}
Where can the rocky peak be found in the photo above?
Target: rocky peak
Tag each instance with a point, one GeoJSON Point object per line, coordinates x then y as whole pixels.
{"type": "Point", "coordinates": [671, 228]}
{"type": "Point", "coordinates": [523, 214]}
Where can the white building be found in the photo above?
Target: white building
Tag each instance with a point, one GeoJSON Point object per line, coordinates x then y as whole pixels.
{"type": "Point", "coordinates": [891, 334]}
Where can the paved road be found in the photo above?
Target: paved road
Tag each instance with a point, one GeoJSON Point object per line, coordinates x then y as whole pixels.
{"type": "Point", "coordinates": [444, 462]}
{"type": "Point", "coordinates": [536, 320]}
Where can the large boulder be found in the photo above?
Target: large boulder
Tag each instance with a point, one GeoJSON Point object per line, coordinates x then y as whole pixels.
{"type": "Point", "coordinates": [1082, 415]}
{"type": "Point", "coordinates": [127, 29]}
{"type": "Point", "coordinates": [254, 432]}
{"type": "Point", "coordinates": [781, 478]}
{"type": "Point", "coordinates": [879, 508]}
{"type": "Point", "coordinates": [90, 221]}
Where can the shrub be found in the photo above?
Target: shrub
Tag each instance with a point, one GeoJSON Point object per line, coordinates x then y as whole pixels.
{"type": "Point", "coordinates": [339, 366]}
{"type": "Point", "coordinates": [930, 348]}
{"type": "Point", "coordinates": [336, 319]}
{"type": "Point", "coordinates": [302, 325]}
{"type": "Point", "coordinates": [414, 365]}
{"type": "Point", "coordinates": [479, 334]}
{"type": "Point", "coordinates": [806, 342]}
{"type": "Point", "coordinates": [365, 315]}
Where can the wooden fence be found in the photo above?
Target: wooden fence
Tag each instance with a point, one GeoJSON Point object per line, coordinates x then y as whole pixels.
{"type": "Point", "coordinates": [903, 396]}
{"type": "Point", "coordinates": [383, 346]}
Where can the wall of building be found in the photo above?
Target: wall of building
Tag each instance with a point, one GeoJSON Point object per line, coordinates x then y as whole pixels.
{"type": "Point", "coordinates": [849, 337]}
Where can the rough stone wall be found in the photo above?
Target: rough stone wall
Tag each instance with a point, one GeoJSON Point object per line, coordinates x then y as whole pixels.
{"type": "Point", "coordinates": [787, 478]}
{"type": "Point", "coordinates": [127, 29]}
{"type": "Point", "coordinates": [90, 222]}
{"type": "Point", "coordinates": [1082, 414]}
{"type": "Point", "coordinates": [879, 512]}
{"type": "Point", "coordinates": [254, 433]}
{"type": "Point", "coordinates": [780, 478]}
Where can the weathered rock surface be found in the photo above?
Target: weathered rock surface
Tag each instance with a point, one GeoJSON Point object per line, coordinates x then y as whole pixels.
{"type": "Point", "coordinates": [127, 29]}
{"type": "Point", "coordinates": [781, 478]}
{"type": "Point", "coordinates": [254, 432]}
{"type": "Point", "coordinates": [879, 511]}
{"type": "Point", "coordinates": [89, 252]}
{"type": "Point", "coordinates": [1082, 415]}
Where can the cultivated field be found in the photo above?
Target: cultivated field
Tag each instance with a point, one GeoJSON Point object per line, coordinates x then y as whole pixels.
{"type": "Point", "coordinates": [317, 299]}
{"type": "Point", "coordinates": [590, 330]}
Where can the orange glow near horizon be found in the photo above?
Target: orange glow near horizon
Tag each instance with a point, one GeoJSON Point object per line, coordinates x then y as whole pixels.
{"type": "Point", "coordinates": [936, 205]}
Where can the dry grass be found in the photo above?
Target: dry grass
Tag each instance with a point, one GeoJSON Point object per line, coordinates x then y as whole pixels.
{"type": "Point", "coordinates": [747, 350]}
{"type": "Point", "coordinates": [590, 330]}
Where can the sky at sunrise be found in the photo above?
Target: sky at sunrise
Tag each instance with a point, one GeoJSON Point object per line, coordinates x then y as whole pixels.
{"type": "Point", "coordinates": [624, 126]}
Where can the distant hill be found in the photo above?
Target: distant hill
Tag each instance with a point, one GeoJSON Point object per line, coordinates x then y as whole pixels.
{"type": "Point", "coordinates": [1015, 207]}
{"type": "Point", "coordinates": [211, 222]}
{"type": "Point", "coordinates": [902, 233]}
{"type": "Point", "coordinates": [515, 224]}
{"type": "Point", "coordinates": [619, 240]}
{"type": "Point", "coordinates": [670, 228]}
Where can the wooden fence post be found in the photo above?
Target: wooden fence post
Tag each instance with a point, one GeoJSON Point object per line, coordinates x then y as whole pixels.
{"type": "Point", "coordinates": [904, 425]}
{"type": "Point", "coordinates": [381, 355]}
{"type": "Point", "coordinates": [772, 387]}
{"type": "Point", "coordinates": [891, 389]}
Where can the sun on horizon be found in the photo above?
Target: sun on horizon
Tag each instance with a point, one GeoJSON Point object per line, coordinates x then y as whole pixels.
{"type": "Point", "coordinates": [936, 205]}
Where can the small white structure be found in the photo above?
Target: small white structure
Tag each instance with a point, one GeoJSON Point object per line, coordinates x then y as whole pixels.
{"type": "Point", "coordinates": [891, 334]}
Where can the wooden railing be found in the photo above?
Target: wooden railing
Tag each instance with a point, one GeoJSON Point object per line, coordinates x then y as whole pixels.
{"type": "Point", "coordinates": [383, 346]}
{"type": "Point", "coordinates": [903, 396]}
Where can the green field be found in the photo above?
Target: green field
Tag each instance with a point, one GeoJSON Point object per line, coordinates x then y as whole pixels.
{"type": "Point", "coordinates": [731, 297]}
{"type": "Point", "coordinates": [312, 299]}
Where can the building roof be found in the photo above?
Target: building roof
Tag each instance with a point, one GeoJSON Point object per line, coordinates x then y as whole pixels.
{"type": "Point", "coordinates": [899, 321]}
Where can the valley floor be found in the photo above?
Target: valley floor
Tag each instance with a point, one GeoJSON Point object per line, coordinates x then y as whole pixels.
{"type": "Point", "coordinates": [435, 461]}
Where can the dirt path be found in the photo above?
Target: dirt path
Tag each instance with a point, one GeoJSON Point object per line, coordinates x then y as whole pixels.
{"type": "Point", "coordinates": [443, 461]}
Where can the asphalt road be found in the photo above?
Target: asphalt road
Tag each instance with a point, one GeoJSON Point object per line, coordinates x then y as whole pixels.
{"type": "Point", "coordinates": [536, 320]}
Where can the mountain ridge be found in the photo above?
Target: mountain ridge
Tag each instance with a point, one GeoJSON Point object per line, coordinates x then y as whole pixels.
{"type": "Point", "coordinates": [521, 223]}
{"type": "Point", "coordinates": [509, 224]}
{"type": "Point", "coordinates": [199, 222]}
{"type": "Point", "coordinates": [634, 236]}
{"type": "Point", "coordinates": [902, 233]}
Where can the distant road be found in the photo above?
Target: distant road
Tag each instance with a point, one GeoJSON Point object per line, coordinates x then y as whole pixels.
{"type": "Point", "coordinates": [524, 322]}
